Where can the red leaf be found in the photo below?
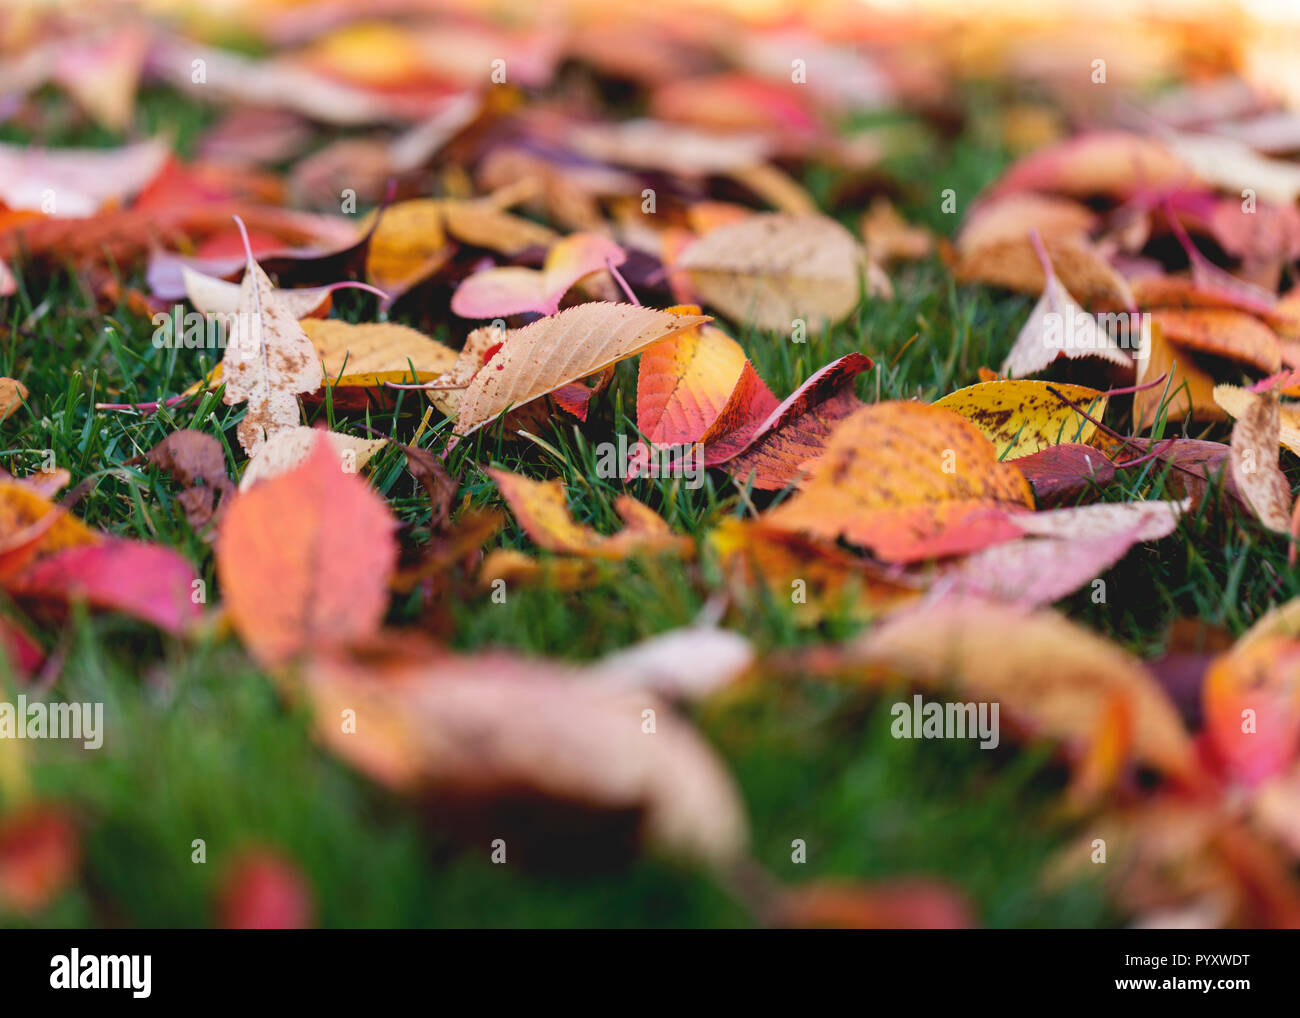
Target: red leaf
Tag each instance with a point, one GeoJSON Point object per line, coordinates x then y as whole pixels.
{"type": "Point", "coordinates": [148, 581]}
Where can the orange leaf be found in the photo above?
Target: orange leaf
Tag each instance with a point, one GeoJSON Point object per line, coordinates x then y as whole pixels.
{"type": "Point", "coordinates": [304, 559]}
{"type": "Point", "coordinates": [1252, 708]}
{"type": "Point", "coordinates": [909, 481]}
{"type": "Point", "coordinates": [540, 509]}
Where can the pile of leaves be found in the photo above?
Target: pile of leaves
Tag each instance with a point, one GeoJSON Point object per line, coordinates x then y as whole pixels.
{"type": "Point", "coordinates": [526, 262]}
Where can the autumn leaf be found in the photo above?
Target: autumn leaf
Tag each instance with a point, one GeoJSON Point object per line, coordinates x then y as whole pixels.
{"type": "Point", "coordinates": [1052, 677]}
{"type": "Point", "coordinates": [818, 576]}
{"type": "Point", "coordinates": [1062, 473]}
{"type": "Point", "coordinates": [1021, 417]}
{"type": "Point", "coordinates": [197, 462]}
{"type": "Point", "coordinates": [81, 181]}
{"type": "Point", "coordinates": [1187, 389]}
{"type": "Point", "coordinates": [372, 353]}
{"type": "Point", "coordinates": [773, 268]}
{"type": "Point", "coordinates": [1013, 264]}
{"type": "Point", "coordinates": [500, 292]}
{"type": "Point", "coordinates": [1115, 163]}
{"type": "Point", "coordinates": [910, 482]}
{"type": "Point", "coordinates": [262, 890]}
{"type": "Point", "coordinates": [1059, 327]}
{"type": "Point", "coordinates": [1012, 217]}
{"type": "Point", "coordinates": [288, 448]}
{"type": "Point", "coordinates": [1237, 402]}
{"type": "Point", "coordinates": [795, 432]}
{"type": "Point", "coordinates": [1222, 333]}
{"type": "Point", "coordinates": [268, 361]}
{"type": "Point", "coordinates": [546, 744]}
{"type": "Point", "coordinates": [148, 581]}
{"type": "Point", "coordinates": [560, 349]}
{"type": "Point", "coordinates": [304, 559]}
{"type": "Point", "coordinates": [1063, 550]}
{"type": "Point", "coordinates": [1252, 708]}
{"type": "Point", "coordinates": [541, 510]}
{"type": "Point", "coordinates": [1253, 463]}
{"type": "Point", "coordinates": [684, 382]}
{"type": "Point", "coordinates": [31, 525]}
{"type": "Point", "coordinates": [12, 395]}
{"type": "Point", "coordinates": [214, 296]}
{"type": "Point", "coordinates": [40, 850]}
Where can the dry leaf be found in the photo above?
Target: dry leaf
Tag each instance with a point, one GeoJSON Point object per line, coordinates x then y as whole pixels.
{"type": "Point", "coordinates": [1253, 463]}
{"type": "Point", "coordinates": [1021, 417]}
{"type": "Point", "coordinates": [773, 268]}
{"type": "Point", "coordinates": [541, 510]}
{"type": "Point", "coordinates": [562, 348]}
{"type": "Point", "coordinates": [268, 361]}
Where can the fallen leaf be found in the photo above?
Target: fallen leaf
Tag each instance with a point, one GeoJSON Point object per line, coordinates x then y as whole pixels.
{"type": "Point", "coordinates": [1252, 708]}
{"type": "Point", "coordinates": [1051, 677]}
{"type": "Point", "coordinates": [500, 744]}
{"type": "Point", "coordinates": [12, 395]}
{"type": "Point", "coordinates": [1223, 333]}
{"type": "Point", "coordinates": [74, 182]}
{"type": "Point", "coordinates": [1237, 401]}
{"type": "Point", "coordinates": [268, 361]}
{"type": "Point", "coordinates": [796, 431]}
{"type": "Point", "coordinates": [147, 581]}
{"type": "Point", "coordinates": [39, 854]}
{"type": "Point", "coordinates": [262, 890]}
{"type": "Point", "coordinates": [372, 353]}
{"type": "Point", "coordinates": [1065, 472]}
{"type": "Point", "coordinates": [684, 382]}
{"type": "Point", "coordinates": [1059, 327]}
{"type": "Point", "coordinates": [1013, 264]}
{"type": "Point", "coordinates": [773, 268]}
{"type": "Point", "coordinates": [1113, 163]}
{"type": "Point", "coordinates": [500, 292]}
{"type": "Point", "coordinates": [1021, 417]}
{"type": "Point", "coordinates": [304, 559]}
{"type": "Point", "coordinates": [910, 482]}
{"type": "Point", "coordinates": [197, 462]}
{"type": "Point", "coordinates": [529, 363]}
{"type": "Point", "coordinates": [1188, 387]}
{"type": "Point", "coordinates": [541, 509]}
{"type": "Point", "coordinates": [1253, 463]}
{"type": "Point", "coordinates": [291, 447]}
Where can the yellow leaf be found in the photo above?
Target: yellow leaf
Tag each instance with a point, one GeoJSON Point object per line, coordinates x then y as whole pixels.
{"type": "Point", "coordinates": [376, 352]}
{"type": "Point", "coordinates": [1022, 417]}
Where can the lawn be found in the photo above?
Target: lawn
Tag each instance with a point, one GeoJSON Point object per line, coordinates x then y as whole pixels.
{"type": "Point", "coordinates": [203, 747]}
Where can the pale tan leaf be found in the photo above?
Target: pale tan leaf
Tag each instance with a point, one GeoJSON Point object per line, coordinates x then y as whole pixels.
{"type": "Point", "coordinates": [288, 448]}
{"type": "Point", "coordinates": [559, 349]}
{"type": "Point", "coordinates": [772, 268]}
{"type": "Point", "coordinates": [1253, 461]}
{"type": "Point", "coordinates": [268, 361]}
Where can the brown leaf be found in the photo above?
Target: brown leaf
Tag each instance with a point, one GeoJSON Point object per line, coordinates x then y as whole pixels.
{"type": "Point", "coordinates": [1253, 463]}
{"type": "Point", "coordinates": [197, 462]}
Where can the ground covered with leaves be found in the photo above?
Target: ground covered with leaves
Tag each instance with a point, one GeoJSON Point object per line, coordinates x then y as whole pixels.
{"type": "Point", "coordinates": [561, 469]}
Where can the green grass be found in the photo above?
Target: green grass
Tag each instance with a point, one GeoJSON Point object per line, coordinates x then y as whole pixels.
{"type": "Point", "coordinates": [199, 745]}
